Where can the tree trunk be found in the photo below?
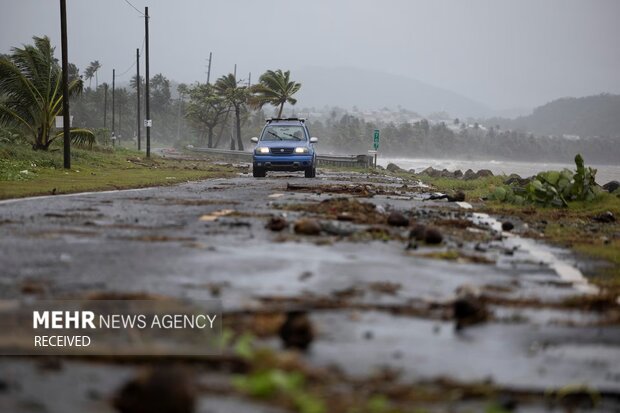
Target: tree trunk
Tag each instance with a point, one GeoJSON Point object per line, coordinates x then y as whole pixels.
{"type": "Point", "coordinates": [280, 112]}
{"type": "Point", "coordinates": [179, 119]}
{"type": "Point", "coordinates": [238, 119]}
{"type": "Point", "coordinates": [210, 139]}
{"type": "Point", "coordinates": [41, 140]}
{"type": "Point", "coordinates": [232, 142]}
{"type": "Point", "coordinates": [219, 136]}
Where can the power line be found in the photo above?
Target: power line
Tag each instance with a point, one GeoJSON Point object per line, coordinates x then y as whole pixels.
{"type": "Point", "coordinates": [141, 47]}
{"type": "Point", "coordinates": [128, 69]}
{"type": "Point", "coordinates": [134, 7]}
{"type": "Point", "coordinates": [134, 62]}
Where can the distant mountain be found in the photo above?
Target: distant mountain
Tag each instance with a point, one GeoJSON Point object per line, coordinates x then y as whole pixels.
{"type": "Point", "coordinates": [348, 87]}
{"type": "Point", "coordinates": [597, 115]}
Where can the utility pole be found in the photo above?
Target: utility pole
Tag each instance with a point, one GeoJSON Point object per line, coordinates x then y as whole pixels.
{"type": "Point", "coordinates": [120, 115]}
{"type": "Point", "coordinates": [148, 96]}
{"type": "Point", "coordinates": [113, 102]}
{"type": "Point", "coordinates": [138, 92]}
{"type": "Point", "coordinates": [66, 126]}
{"type": "Point", "coordinates": [105, 105]}
{"type": "Point", "coordinates": [235, 71]}
{"type": "Point", "coordinates": [209, 68]}
{"type": "Point", "coordinates": [250, 79]}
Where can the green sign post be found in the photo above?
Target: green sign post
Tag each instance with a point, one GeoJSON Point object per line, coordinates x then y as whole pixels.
{"type": "Point", "coordinates": [375, 145]}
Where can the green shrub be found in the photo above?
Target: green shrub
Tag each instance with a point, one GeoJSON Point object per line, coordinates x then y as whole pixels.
{"type": "Point", "coordinates": [552, 188]}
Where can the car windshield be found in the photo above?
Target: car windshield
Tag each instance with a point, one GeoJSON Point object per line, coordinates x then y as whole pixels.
{"type": "Point", "coordinates": [283, 133]}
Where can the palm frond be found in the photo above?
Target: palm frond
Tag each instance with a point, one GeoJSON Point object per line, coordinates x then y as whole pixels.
{"type": "Point", "coordinates": [274, 88]}
{"type": "Point", "coordinates": [84, 138]}
{"type": "Point", "coordinates": [12, 117]}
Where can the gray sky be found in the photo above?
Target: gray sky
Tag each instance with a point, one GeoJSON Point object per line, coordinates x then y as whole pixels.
{"type": "Point", "coordinates": [518, 53]}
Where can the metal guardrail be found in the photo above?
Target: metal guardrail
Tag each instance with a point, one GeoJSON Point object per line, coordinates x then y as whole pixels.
{"type": "Point", "coordinates": [227, 154]}
{"type": "Point", "coordinates": [359, 161]}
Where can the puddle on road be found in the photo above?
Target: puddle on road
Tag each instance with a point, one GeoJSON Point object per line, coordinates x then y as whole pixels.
{"type": "Point", "coordinates": [32, 388]}
{"type": "Point", "coordinates": [513, 355]}
{"type": "Point", "coordinates": [538, 252]}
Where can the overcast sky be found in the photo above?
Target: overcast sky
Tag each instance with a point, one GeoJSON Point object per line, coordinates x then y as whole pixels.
{"type": "Point", "coordinates": [518, 53]}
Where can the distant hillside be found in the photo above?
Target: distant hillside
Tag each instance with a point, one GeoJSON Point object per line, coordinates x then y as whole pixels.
{"type": "Point", "coordinates": [587, 116]}
{"type": "Point", "coordinates": [348, 87]}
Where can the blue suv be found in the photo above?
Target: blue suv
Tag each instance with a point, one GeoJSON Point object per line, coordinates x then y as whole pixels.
{"type": "Point", "coordinates": [284, 145]}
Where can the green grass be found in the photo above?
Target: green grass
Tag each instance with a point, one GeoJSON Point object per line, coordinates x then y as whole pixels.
{"type": "Point", "coordinates": [24, 172]}
{"type": "Point", "coordinates": [474, 189]}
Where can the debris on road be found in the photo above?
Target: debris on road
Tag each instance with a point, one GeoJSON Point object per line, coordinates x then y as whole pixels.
{"type": "Point", "coordinates": [385, 287]}
{"type": "Point", "coordinates": [432, 236]}
{"type": "Point", "coordinates": [397, 219]}
{"type": "Point", "coordinates": [605, 217]}
{"type": "Point", "coordinates": [307, 226]}
{"type": "Point", "coordinates": [344, 209]}
{"type": "Point", "coordinates": [297, 331]}
{"type": "Point", "coordinates": [507, 226]}
{"type": "Point", "coordinates": [163, 389]}
{"type": "Point", "coordinates": [469, 307]}
{"type": "Point", "coordinates": [215, 215]}
{"type": "Point", "coordinates": [277, 223]}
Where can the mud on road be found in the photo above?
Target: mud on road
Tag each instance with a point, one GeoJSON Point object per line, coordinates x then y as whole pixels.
{"type": "Point", "coordinates": [392, 281]}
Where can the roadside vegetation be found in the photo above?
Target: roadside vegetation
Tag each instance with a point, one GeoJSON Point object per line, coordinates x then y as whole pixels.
{"type": "Point", "coordinates": [201, 113]}
{"type": "Point", "coordinates": [24, 172]}
{"type": "Point", "coordinates": [31, 101]}
{"type": "Point", "coordinates": [31, 95]}
{"type": "Point", "coordinates": [566, 208]}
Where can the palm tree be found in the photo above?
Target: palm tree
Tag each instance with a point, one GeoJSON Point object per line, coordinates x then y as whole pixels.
{"type": "Point", "coordinates": [95, 66]}
{"type": "Point", "coordinates": [88, 75]}
{"type": "Point", "coordinates": [236, 96]}
{"type": "Point", "coordinates": [274, 88]}
{"type": "Point", "coordinates": [30, 81]}
{"type": "Point", "coordinates": [133, 82]}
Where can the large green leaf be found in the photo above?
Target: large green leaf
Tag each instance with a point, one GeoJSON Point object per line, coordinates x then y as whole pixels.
{"type": "Point", "coordinates": [84, 138]}
{"type": "Point", "coordinates": [553, 188]}
{"type": "Point", "coordinates": [30, 84]}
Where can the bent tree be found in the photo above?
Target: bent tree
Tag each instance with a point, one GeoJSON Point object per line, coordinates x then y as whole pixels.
{"type": "Point", "coordinates": [31, 94]}
{"type": "Point", "coordinates": [274, 88]}
{"type": "Point", "coordinates": [205, 109]}
{"type": "Point", "coordinates": [236, 96]}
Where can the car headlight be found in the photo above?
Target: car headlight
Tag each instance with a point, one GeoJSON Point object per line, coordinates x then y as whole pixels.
{"type": "Point", "coordinates": [262, 149]}
{"type": "Point", "coordinates": [301, 149]}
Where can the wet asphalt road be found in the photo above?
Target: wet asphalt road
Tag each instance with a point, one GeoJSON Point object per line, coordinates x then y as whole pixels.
{"type": "Point", "coordinates": [157, 241]}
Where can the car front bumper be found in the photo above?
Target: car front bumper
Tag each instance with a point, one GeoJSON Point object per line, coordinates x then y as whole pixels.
{"type": "Point", "coordinates": [283, 162]}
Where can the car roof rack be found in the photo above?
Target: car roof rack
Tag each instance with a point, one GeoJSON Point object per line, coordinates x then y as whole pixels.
{"type": "Point", "coordinates": [269, 120]}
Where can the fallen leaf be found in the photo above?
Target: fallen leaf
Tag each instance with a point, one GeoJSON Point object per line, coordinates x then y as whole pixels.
{"type": "Point", "coordinates": [215, 215]}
